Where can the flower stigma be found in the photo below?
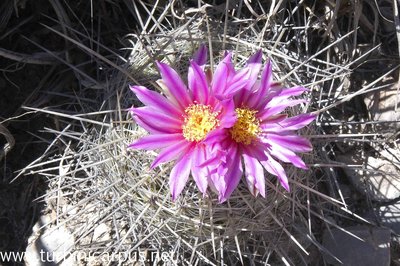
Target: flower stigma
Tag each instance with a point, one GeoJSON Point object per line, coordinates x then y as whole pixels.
{"type": "Point", "coordinates": [199, 120]}
{"type": "Point", "coordinates": [247, 126]}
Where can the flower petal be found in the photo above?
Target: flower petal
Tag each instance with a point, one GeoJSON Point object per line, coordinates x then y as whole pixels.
{"type": "Point", "coordinates": [200, 174]}
{"type": "Point", "coordinates": [255, 58]}
{"type": "Point", "coordinates": [254, 65]}
{"type": "Point", "coordinates": [281, 96]}
{"type": "Point", "coordinates": [265, 84]}
{"type": "Point", "coordinates": [254, 175]}
{"type": "Point", "coordinates": [274, 119]}
{"type": "Point", "coordinates": [227, 114]}
{"type": "Point", "coordinates": [294, 91]}
{"type": "Point", "coordinates": [272, 110]}
{"type": "Point", "coordinates": [275, 168]}
{"type": "Point", "coordinates": [200, 57]}
{"type": "Point", "coordinates": [221, 75]}
{"type": "Point", "coordinates": [179, 176]}
{"type": "Point", "coordinates": [215, 136]}
{"type": "Point", "coordinates": [155, 100]}
{"type": "Point", "coordinates": [291, 142]}
{"type": "Point", "coordinates": [198, 83]}
{"type": "Point", "coordinates": [233, 176]}
{"type": "Point", "coordinates": [158, 120]}
{"type": "Point", "coordinates": [297, 122]}
{"type": "Point", "coordinates": [286, 155]}
{"type": "Point", "coordinates": [220, 166]}
{"type": "Point", "coordinates": [175, 85]}
{"type": "Point", "coordinates": [238, 81]}
{"type": "Point", "coordinates": [242, 97]}
{"type": "Point", "coordinates": [257, 150]}
{"type": "Point", "coordinates": [172, 152]}
{"type": "Point", "coordinates": [150, 127]}
{"type": "Point", "coordinates": [158, 141]}
{"type": "Point", "coordinates": [216, 155]}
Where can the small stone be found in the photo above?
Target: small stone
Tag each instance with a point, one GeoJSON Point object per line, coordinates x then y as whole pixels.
{"type": "Point", "coordinates": [49, 245]}
{"type": "Point", "coordinates": [370, 247]}
{"type": "Point", "coordinates": [101, 233]}
{"type": "Point", "coordinates": [69, 209]}
{"type": "Point", "coordinates": [384, 105]}
{"type": "Point", "coordinates": [380, 180]}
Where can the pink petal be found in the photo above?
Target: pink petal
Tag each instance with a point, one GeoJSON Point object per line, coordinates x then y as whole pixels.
{"type": "Point", "coordinates": [265, 84]}
{"type": "Point", "coordinates": [155, 100]}
{"type": "Point", "coordinates": [258, 151]}
{"type": "Point", "coordinates": [274, 168]}
{"type": "Point", "coordinates": [215, 136]}
{"type": "Point", "coordinates": [221, 75]}
{"type": "Point", "coordinates": [226, 176]}
{"type": "Point", "coordinates": [286, 155]}
{"type": "Point", "coordinates": [175, 85]}
{"type": "Point", "coordinates": [280, 100]}
{"type": "Point", "coordinates": [158, 120]}
{"type": "Point", "coordinates": [220, 166]}
{"type": "Point", "coordinates": [232, 177]}
{"type": "Point", "coordinates": [159, 141]}
{"type": "Point", "coordinates": [254, 65]}
{"type": "Point", "coordinates": [281, 96]}
{"type": "Point", "coordinates": [200, 57]}
{"type": "Point", "coordinates": [273, 91]}
{"type": "Point", "coordinates": [242, 97]}
{"type": "Point", "coordinates": [274, 119]}
{"type": "Point", "coordinates": [294, 91]}
{"type": "Point", "coordinates": [150, 127]}
{"type": "Point", "coordinates": [217, 181]}
{"type": "Point", "coordinates": [227, 115]}
{"type": "Point", "coordinates": [255, 59]}
{"type": "Point", "coordinates": [179, 176]}
{"type": "Point", "coordinates": [232, 89]}
{"type": "Point", "coordinates": [291, 142]}
{"type": "Point", "coordinates": [297, 122]}
{"type": "Point", "coordinates": [216, 155]}
{"type": "Point", "coordinates": [238, 76]}
{"type": "Point", "coordinates": [283, 101]}
{"type": "Point", "coordinates": [200, 174]}
{"type": "Point", "coordinates": [147, 111]}
{"type": "Point", "coordinates": [272, 110]}
{"type": "Point", "coordinates": [254, 175]}
{"type": "Point", "coordinates": [172, 152]}
{"type": "Point", "coordinates": [198, 83]}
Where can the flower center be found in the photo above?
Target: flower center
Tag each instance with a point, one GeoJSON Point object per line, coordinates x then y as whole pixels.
{"type": "Point", "coordinates": [247, 126]}
{"type": "Point", "coordinates": [199, 120]}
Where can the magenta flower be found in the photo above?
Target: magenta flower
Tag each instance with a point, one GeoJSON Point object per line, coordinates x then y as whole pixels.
{"type": "Point", "coordinates": [260, 135]}
{"type": "Point", "coordinates": [221, 125]}
{"type": "Point", "coordinates": [181, 121]}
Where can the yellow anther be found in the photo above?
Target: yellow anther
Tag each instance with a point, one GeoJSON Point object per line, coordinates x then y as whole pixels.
{"type": "Point", "coordinates": [247, 126]}
{"type": "Point", "coordinates": [199, 120]}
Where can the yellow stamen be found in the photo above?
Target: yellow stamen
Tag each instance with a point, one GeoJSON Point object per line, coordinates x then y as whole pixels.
{"type": "Point", "coordinates": [199, 120]}
{"type": "Point", "coordinates": [247, 126]}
